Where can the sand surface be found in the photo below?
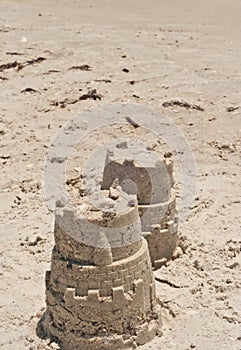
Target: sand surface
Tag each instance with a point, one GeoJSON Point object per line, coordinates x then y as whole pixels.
{"type": "Point", "coordinates": [170, 50]}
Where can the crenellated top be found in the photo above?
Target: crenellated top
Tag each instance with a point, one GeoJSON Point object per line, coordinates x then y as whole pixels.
{"type": "Point", "coordinates": [96, 234]}
{"type": "Point", "coordinates": [140, 169]}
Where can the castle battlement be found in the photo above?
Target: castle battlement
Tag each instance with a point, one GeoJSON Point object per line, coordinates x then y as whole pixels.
{"type": "Point", "coordinates": [119, 298]}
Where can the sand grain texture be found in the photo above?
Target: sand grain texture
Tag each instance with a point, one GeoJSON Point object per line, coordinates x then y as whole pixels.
{"type": "Point", "coordinates": [149, 52]}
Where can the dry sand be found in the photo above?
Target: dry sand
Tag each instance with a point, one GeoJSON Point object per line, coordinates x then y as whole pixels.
{"type": "Point", "coordinates": [173, 50]}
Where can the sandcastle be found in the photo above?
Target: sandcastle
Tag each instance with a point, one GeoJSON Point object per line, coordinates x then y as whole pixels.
{"type": "Point", "coordinates": [100, 292]}
{"type": "Point", "coordinates": [153, 179]}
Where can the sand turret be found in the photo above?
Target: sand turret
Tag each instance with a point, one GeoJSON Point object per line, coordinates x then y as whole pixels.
{"type": "Point", "coordinates": [139, 170]}
{"type": "Point", "coordinates": [100, 292]}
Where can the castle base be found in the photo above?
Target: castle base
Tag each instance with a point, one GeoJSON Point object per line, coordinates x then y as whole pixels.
{"type": "Point", "coordinates": [101, 307]}
{"type": "Point", "coordinates": [73, 341]}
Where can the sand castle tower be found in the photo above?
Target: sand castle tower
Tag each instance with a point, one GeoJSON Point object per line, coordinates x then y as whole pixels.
{"type": "Point", "coordinates": [144, 173]}
{"type": "Point", "coordinates": [100, 292]}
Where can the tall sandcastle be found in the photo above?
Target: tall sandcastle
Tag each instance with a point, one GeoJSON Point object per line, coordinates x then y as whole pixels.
{"type": "Point", "coordinates": [100, 292]}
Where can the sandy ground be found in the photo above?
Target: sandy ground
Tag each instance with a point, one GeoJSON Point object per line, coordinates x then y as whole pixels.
{"type": "Point", "coordinates": [173, 50]}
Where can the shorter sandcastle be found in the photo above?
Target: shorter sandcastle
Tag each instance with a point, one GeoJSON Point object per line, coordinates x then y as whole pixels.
{"type": "Point", "coordinates": [140, 171]}
{"type": "Point", "coordinates": [100, 292]}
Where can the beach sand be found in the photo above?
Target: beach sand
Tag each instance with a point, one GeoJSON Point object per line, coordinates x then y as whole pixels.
{"type": "Point", "coordinates": [146, 52]}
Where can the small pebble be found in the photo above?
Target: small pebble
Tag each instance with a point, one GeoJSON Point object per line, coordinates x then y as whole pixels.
{"type": "Point", "coordinates": [177, 253]}
{"type": "Point", "coordinates": [113, 193]}
{"type": "Point", "coordinates": [54, 345]}
{"type": "Point", "coordinates": [33, 241]}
